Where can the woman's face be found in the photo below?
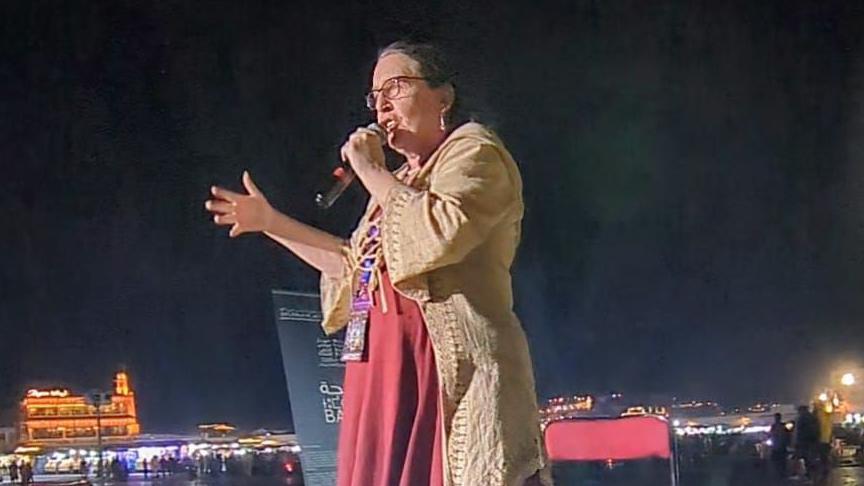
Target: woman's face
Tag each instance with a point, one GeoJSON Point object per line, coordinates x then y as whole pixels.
{"type": "Point", "coordinates": [406, 107]}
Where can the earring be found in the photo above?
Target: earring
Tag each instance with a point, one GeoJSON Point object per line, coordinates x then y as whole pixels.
{"type": "Point", "coordinates": [443, 123]}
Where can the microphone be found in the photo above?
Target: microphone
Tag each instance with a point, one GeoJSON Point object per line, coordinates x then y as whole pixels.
{"type": "Point", "coordinates": [344, 175]}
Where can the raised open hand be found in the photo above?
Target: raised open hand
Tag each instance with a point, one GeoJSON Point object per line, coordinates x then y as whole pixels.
{"type": "Point", "coordinates": [245, 213]}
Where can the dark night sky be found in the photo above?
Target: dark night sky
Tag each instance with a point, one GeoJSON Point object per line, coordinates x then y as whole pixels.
{"type": "Point", "coordinates": [693, 181]}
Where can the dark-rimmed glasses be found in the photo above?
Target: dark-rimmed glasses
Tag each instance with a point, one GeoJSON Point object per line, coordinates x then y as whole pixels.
{"type": "Point", "coordinates": [390, 90]}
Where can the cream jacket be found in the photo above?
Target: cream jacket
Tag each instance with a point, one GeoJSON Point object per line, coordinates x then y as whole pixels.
{"type": "Point", "coordinates": [448, 243]}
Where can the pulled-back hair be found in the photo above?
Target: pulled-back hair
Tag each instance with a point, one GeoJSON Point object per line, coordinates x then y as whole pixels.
{"type": "Point", "coordinates": [436, 70]}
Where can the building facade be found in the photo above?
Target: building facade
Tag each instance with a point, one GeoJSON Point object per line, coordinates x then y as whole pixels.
{"type": "Point", "coordinates": [58, 416]}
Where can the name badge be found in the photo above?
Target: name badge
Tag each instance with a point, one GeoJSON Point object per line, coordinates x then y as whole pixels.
{"type": "Point", "coordinates": [355, 334]}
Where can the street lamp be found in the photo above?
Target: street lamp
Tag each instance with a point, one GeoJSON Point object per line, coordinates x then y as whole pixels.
{"type": "Point", "coordinates": [97, 399]}
{"type": "Point", "coordinates": [848, 379]}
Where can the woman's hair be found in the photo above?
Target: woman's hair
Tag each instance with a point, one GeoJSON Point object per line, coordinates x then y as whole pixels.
{"type": "Point", "coordinates": [437, 71]}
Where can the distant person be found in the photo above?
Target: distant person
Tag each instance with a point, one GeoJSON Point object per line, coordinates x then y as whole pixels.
{"type": "Point", "coordinates": [219, 464]}
{"type": "Point", "coordinates": [26, 473]}
{"type": "Point", "coordinates": [115, 469]}
{"type": "Point", "coordinates": [83, 468]}
{"type": "Point", "coordinates": [13, 472]}
{"type": "Point", "coordinates": [779, 445]}
{"type": "Point", "coordinates": [806, 438]}
{"type": "Point", "coordinates": [826, 434]}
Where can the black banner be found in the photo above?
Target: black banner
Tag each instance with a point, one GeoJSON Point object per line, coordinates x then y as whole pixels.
{"type": "Point", "coordinates": [314, 373]}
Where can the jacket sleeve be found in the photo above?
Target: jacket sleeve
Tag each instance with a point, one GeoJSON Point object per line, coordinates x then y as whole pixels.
{"type": "Point", "coordinates": [470, 190]}
{"type": "Point", "coordinates": [336, 297]}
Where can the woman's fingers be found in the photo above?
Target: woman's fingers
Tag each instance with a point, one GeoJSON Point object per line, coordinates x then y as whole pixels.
{"type": "Point", "coordinates": [250, 185]}
{"type": "Point", "coordinates": [371, 133]}
{"type": "Point", "coordinates": [225, 194]}
{"type": "Point", "coordinates": [220, 206]}
{"type": "Point", "coordinates": [225, 219]}
{"type": "Point", "coordinates": [362, 148]}
{"type": "Point", "coordinates": [244, 213]}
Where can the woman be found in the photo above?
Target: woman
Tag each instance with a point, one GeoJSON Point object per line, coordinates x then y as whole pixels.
{"type": "Point", "coordinates": [439, 387]}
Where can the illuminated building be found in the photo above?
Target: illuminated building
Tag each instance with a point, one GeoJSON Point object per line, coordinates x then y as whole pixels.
{"type": "Point", "coordinates": [696, 409]}
{"type": "Point", "coordinates": [753, 420]}
{"type": "Point", "coordinates": [216, 430]}
{"type": "Point", "coordinates": [58, 416]}
{"type": "Point", "coordinates": [560, 408]}
{"type": "Point", "coordinates": [640, 410]}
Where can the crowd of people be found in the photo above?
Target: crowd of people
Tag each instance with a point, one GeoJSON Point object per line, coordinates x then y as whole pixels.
{"type": "Point", "coordinates": [797, 448]}
{"type": "Point", "coordinates": [18, 473]}
{"type": "Point", "coordinates": [805, 450]}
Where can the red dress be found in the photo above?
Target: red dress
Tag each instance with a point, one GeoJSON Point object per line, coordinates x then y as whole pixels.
{"type": "Point", "coordinates": [391, 431]}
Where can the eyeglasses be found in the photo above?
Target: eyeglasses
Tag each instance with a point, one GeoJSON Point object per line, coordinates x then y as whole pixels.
{"type": "Point", "coordinates": [390, 90]}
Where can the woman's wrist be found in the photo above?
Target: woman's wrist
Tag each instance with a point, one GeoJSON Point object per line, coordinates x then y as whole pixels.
{"type": "Point", "coordinates": [271, 215]}
{"type": "Point", "coordinates": [377, 180]}
{"type": "Point", "coordinates": [365, 169]}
